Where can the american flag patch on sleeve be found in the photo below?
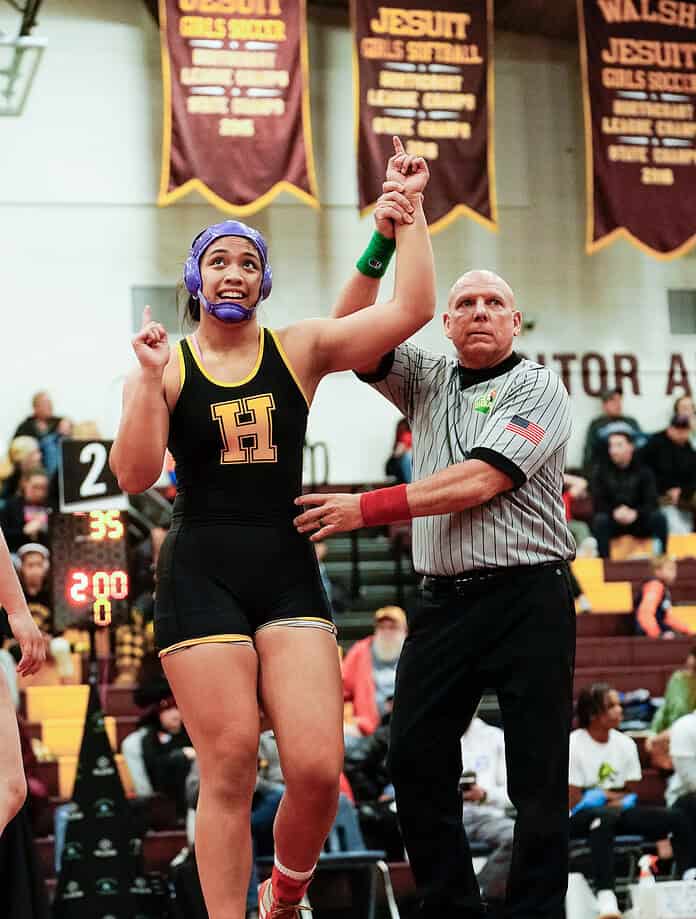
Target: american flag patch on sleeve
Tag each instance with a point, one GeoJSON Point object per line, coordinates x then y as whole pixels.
{"type": "Point", "coordinates": [519, 425]}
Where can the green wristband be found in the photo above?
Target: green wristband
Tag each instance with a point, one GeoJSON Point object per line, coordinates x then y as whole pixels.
{"type": "Point", "coordinates": [375, 259]}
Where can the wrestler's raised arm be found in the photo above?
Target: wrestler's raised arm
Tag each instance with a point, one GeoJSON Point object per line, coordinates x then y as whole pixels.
{"type": "Point", "coordinates": [360, 339]}
{"type": "Point", "coordinates": [393, 207]}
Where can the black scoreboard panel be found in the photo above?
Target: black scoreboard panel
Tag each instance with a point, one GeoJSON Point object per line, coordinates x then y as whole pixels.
{"type": "Point", "coordinates": [89, 568]}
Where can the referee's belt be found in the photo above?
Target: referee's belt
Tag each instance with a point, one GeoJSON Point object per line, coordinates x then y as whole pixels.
{"type": "Point", "coordinates": [455, 582]}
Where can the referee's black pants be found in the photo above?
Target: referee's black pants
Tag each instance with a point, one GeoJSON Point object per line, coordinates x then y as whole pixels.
{"type": "Point", "coordinates": [512, 631]}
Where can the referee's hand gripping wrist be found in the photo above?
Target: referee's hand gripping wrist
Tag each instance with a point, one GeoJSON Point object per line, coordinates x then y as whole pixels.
{"type": "Point", "coordinates": [326, 515]}
{"type": "Point", "coordinates": [331, 514]}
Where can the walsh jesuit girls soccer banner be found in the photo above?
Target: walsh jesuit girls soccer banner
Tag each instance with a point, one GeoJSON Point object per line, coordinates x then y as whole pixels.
{"type": "Point", "coordinates": [424, 71]}
{"type": "Point", "coordinates": [639, 89]}
{"type": "Point", "coordinates": [236, 102]}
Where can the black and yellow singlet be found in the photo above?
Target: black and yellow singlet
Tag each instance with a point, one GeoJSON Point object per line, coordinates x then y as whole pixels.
{"type": "Point", "coordinates": [233, 562]}
{"type": "Point", "coordinates": [238, 446]}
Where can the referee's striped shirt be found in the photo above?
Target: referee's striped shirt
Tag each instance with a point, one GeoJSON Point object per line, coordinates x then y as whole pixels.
{"type": "Point", "coordinates": [516, 417]}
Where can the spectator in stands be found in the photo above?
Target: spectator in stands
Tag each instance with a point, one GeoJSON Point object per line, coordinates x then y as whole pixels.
{"type": "Point", "coordinates": [684, 405]}
{"type": "Point", "coordinates": [47, 429]}
{"type": "Point", "coordinates": [369, 669]}
{"type": "Point", "coordinates": [603, 776]}
{"type": "Point", "coordinates": [681, 788]}
{"type": "Point", "coordinates": [680, 696]}
{"type": "Point", "coordinates": [24, 454]}
{"type": "Point", "coordinates": [625, 497]}
{"type": "Point", "coordinates": [400, 463]}
{"type": "Point", "coordinates": [366, 767]}
{"type": "Point", "coordinates": [34, 565]}
{"type": "Point", "coordinates": [50, 445]}
{"type": "Point", "coordinates": [673, 461]}
{"type": "Point", "coordinates": [42, 421]}
{"type": "Point", "coordinates": [612, 419]}
{"type": "Point", "coordinates": [25, 516]}
{"type": "Point", "coordinates": [655, 615]}
{"type": "Point", "coordinates": [168, 753]}
{"type": "Point", "coordinates": [575, 488]}
{"type": "Point", "coordinates": [484, 792]}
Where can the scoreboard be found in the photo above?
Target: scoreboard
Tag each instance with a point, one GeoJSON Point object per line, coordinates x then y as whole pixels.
{"type": "Point", "coordinates": [89, 565]}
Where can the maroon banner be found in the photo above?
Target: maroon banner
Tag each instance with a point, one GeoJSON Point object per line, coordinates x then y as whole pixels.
{"type": "Point", "coordinates": [639, 90]}
{"type": "Point", "coordinates": [424, 71]}
{"type": "Point", "coordinates": [236, 102]}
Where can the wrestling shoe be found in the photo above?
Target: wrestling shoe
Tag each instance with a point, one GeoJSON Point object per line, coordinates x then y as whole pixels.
{"type": "Point", "coordinates": [270, 908]}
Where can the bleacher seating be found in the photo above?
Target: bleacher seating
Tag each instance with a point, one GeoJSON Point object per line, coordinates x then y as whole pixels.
{"type": "Point", "coordinates": [56, 716]}
{"type": "Point", "coordinates": [366, 564]}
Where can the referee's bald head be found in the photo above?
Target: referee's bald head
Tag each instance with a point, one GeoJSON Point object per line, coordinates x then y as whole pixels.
{"type": "Point", "coordinates": [484, 277]}
{"type": "Point", "coordinates": [481, 319]}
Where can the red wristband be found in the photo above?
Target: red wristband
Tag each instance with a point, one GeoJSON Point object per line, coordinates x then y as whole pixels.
{"type": "Point", "coordinates": [385, 505]}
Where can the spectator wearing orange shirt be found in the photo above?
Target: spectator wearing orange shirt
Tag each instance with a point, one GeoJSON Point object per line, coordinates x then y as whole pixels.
{"type": "Point", "coordinates": [400, 463]}
{"type": "Point", "coordinates": [369, 669]}
{"type": "Point", "coordinates": [655, 616]}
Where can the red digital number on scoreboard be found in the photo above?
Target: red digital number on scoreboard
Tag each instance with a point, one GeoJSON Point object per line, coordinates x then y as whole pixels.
{"type": "Point", "coordinates": [84, 585]}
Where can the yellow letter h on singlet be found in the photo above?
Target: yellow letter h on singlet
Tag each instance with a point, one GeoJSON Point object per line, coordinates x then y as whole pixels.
{"type": "Point", "coordinates": [246, 426]}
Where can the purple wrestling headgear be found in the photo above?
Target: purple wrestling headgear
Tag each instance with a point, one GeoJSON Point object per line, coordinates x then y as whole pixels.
{"type": "Point", "coordinates": [226, 311]}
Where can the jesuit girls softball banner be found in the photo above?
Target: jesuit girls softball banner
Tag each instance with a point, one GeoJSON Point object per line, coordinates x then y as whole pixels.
{"type": "Point", "coordinates": [236, 102]}
{"type": "Point", "coordinates": [639, 87]}
{"type": "Point", "coordinates": [424, 71]}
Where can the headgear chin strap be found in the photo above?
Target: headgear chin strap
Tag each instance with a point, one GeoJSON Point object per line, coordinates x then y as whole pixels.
{"type": "Point", "coordinates": [226, 311]}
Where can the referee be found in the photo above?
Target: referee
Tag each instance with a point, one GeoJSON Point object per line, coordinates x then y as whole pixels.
{"type": "Point", "coordinates": [489, 537]}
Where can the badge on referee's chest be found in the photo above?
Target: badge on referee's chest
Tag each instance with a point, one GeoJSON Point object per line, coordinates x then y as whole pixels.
{"type": "Point", "coordinates": [485, 403]}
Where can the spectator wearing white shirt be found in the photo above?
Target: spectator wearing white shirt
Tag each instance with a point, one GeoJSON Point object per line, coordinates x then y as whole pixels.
{"type": "Point", "coordinates": [681, 788]}
{"type": "Point", "coordinates": [485, 796]}
{"type": "Point", "coordinates": [603, 776]}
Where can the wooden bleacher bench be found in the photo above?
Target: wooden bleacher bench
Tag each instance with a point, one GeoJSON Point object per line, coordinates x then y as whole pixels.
{"type": "Point", "coordinates": [56, 716]}
{"type": "Point", "coordinates": [682, 546]}
{"type": "Point", "coordinates": [627, 546]}
{"type": "Point", "coordinates": [48, 675]}
{"type": "Point", "coordinates": [608, 625]}
{"type": "Point", "coordinates": [625, 679]}
{"type": "Point", "coordinates": [634, 651]}
{"type": "Point", "coordinates": [604, 597]}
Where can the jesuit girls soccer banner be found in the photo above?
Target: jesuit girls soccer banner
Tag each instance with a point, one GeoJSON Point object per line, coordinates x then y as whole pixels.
{"type": "Point", "coordinates": [236, 102]}
{"type": "Point", "coordinates": [424, 71]}
{"type": "Point", "coordinates": [639, 89]}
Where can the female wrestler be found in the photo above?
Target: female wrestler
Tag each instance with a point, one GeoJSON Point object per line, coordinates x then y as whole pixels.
{"type": "Point", "coordinates": [239, 596]}
{"type": "Point", "coordinates": [13, 787]}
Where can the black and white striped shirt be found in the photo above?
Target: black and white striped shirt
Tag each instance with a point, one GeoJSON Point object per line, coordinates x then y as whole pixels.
{"type": "Point", "coordinates": [516, 417]}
